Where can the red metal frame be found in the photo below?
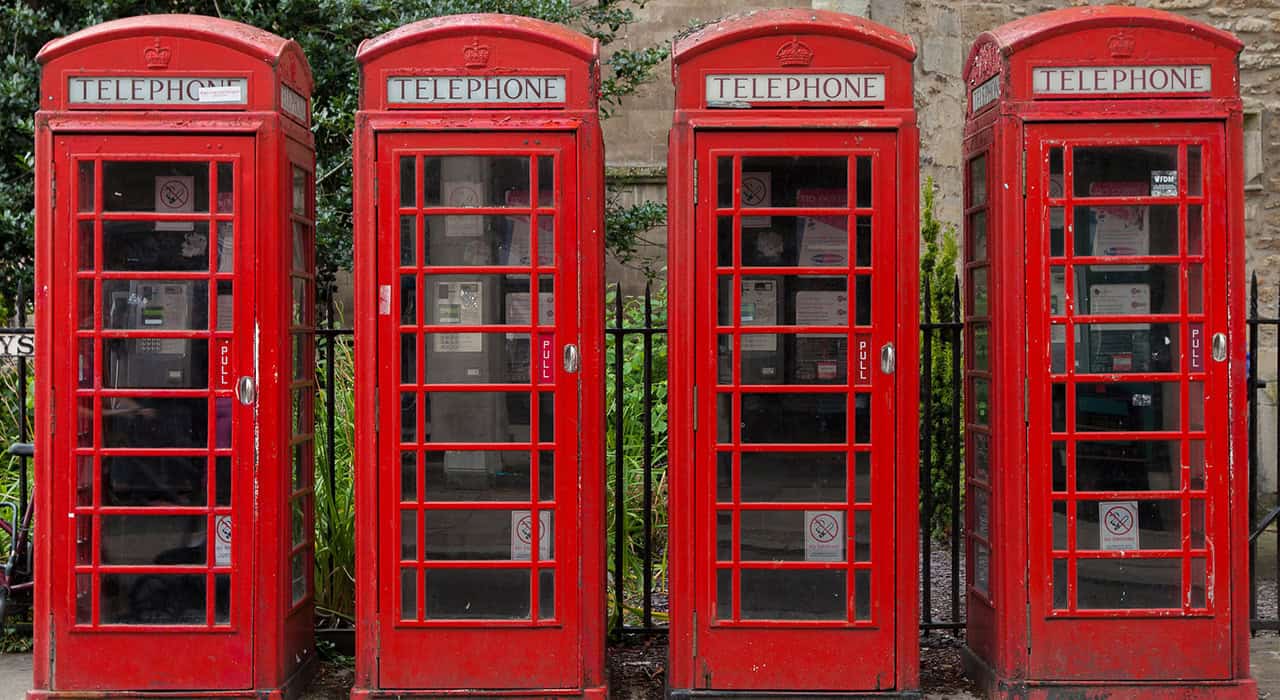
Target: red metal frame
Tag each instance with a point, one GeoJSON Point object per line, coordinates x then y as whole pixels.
{"type": "Point", "coordinates": [1025, 638]}
{"type": "Point", "coordinates": [735, 655]}
{"type": "Point", "coordinates": [561, 655]}
{"type": "Point", "coordinates": [265, 652]}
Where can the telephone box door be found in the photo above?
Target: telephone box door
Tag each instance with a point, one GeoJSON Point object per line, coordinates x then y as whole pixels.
{"type": "Point", "coordinates": [1128, 404]}
{"type": "Point", "coordinates": [478, 473]}
{"type": "Point", "coordinates": [795, 442]}
{"type": "Point", "coordinates": [156, 235]}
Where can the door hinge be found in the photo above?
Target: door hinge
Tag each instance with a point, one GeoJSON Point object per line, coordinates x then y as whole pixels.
{"type": "Point", "coordinates": [1023, 158]}
{"type": "Point", "coordinates": [53, 192]}
{"type": "Point", "coordinates": [695, 180]}
{"type": "Point", "coordinates": [53, 415]}
{"type": "Point", "coordinates": [375, 188]}
{"type": "Point", "coordinates": [695, 408]}
{"type": "Point", "coordinates": [377, 412]}
{"type": "Point", "coordinates": [1026, 400]}
{"type": "Point", "coordinates": [695, 634]}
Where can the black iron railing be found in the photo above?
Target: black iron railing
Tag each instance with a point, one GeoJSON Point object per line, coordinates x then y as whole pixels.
{"type": "Point", "coordinates": [1258, 325]}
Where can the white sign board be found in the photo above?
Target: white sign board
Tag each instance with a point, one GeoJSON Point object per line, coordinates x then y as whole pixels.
{"type": "Point", "coordinates": [293, 104]}
{"type": "Point", "coordinates": [472, 89]}
{"type": "Point", "coordinates": [741, 90]}
{"type": "Point", "coordinates": [17, 344]}
{"type": "Point", "coordinates": [522, 535]}
{"type": "Point", "coordinates": [984, 94]}
{"type": "Point", "coordinates": [148, 90]}
{"type": "Point", "coordinates": [1122, 80]}
{"type": "Point", "coordinates": [1118, 525]}
{"type": "Point", "coordinates": [823, 535]}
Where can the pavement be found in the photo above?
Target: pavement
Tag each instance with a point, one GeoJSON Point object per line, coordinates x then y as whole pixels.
{"type": "Point", "coordinates": [15, 672]}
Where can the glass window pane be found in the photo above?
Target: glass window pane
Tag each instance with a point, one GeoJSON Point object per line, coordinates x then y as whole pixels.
{"type": "Point", "coordinates": [85, 243]}
{"type": "Point", "coordinates": [1061, 596]}
{"type": "Point", "coordinates": [725, 431]}
{"type": "Point", "coordinates": [155, 186]}
{"type": "Point", "coordinates": [1131, 230]}
{"type": "Point", "coordinates": [222, 483]}
{"type": "Point", "coordinates": [476, 181]}
{"type": "Point", "coordinates": [1195, 230]}
{"type": "Point", "coordinates": [724, 477]}
{"type": "Point", "coordinates": [1127, 406]}
{"type": "Point", "coordinates": [1110, 290]}
{"type": "Point", "coordinates": [481, 416]}
{"type": "Point", "coordinates": [299, 191]}
{"type": "Point", "coordinates": [130, 599]}
{"type": "Point", "coordinates": [978, 286]}
{"type": "Point", "coordinates": [152, 422]}
{"type": "Point", "coordinates": [408, 594]}
{"type": "Point", "coordinates": [301, 246]}
{"type": "Point", "coordinates": [85, 186]}
{"type": "Point", "coordinates": [1198, 583]}
{"type": "Point", "coordinates": [862, 477]}
{"type": "Point", "coordinates": [1057, 231]}
{"type": "Point", "coordinates": [486, 358]}
{"type": "Point", "coordinates": [1055, 172]}
{"type": "Point", "coordinates": [225, 308]}
{"type": "Point", "coordinates": [298, 576]}
{"type": "Point", "coordinates": [165, 540]}
{"type": "Point", "coordinates": [862, 535]}
{"type": "Point", "coordinates": [471, 594]}
{"type": "Point", "coordinates": [1060, 460]}
{"type": "Point", "coordinates": [862, 594]}
{"type": "Point", "coordinates": [787, 241]}
{"type": "Point", "coordinates": [154, 481]}
{"type": "Point", "coordinates": [794, 181]}
{"type": "Point", "coordinates": [724, 181]}
{"type": "Point", "coordinates": [1115, 171]}
{"type": "Point", "coordinates": [810, 300]}
{"type": "Point", "coordinates": [978, 236]}
{"type": "Point", "coordinates": [226, 249]}
{"type": "Point", "coordinates": [724, 535]}
{"type": "Point", "coordinates": [546, 181]}
{"type": "Point", "coordinates": [786, 358]}
{"type": "Point", "coordinates": [1109, 525]}
{"type": "Point", "coordinates": [724, 594]}
{"type": "Point", "coordinates": [1118, 348]}
{"type": "Point", "coordinates": [222, 599]}
{"type": "Point", "coordinates": [408, 535]}
{"type": "Point", "coordinates": [181, 246]}
{"type": "Point", "coordinates": [476, 475]}
{"type": "Point", "coordinates": [155, 304]}
{"type": "Point", "coordinates": [981, 348]}
{"type": "Point", "coordinates": [978, 181]}
{"type": "Point", "coordinates": [476, 239]}
{"type": "Point", "coordinates": [226, 188]}
{"type": "Point", "coordinates": [1126, 584]}
{"type": "Point", "coordinates": [981, 568]}
{"type": "Point", "coordinates": [155, 363]}
{"type": "Point", "coordinates": [774, 477]}
{"type": "Point", "coordinates": [489, 299]}
{"type": "Point", "coordinates": [981, 456]}
{"type": "Point", "coordinates": [864, 181]}
{"type": "Point", "coordinates": [769, 594]}
{"type": "Point", "coordinates": [408, 181]}
{"type": "Point", "coordinates": [794, 418]}
{"type": "Point", "coordinates": [1060, 527]}
{"type": "Point", "coordinates": [864, 241]}
{"type": "Point", "coordinates": [791, 535]}
{"type": "Point", "coordinates": [1194, 182]}
{"type": "Point", "coordinates": [547, 475]}
{"type": "Point", "coordinates": [469, 534]}
{"type": "Point", "coordinates": [981, 401]}
{"type": "Point", "coordinates": [547, 594]}
{"type": "Point", "coordinates": [1128, 465]}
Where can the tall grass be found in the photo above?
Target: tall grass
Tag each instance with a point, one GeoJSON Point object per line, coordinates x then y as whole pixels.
{"type": "Point", "coordinates": [632, 406]}
{"type": "Point", "coordinates": [334, 505]}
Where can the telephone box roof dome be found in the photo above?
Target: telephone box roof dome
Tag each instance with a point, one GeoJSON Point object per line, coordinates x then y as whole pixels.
{"type": "Point", "coordinates": [247, 39]}
{"type": "Point", "coordinates": [791, 21]}
{"type": "Point", "coordinates": [487, 24]}
{"type": "Point", "coordinates": [1022, 33]}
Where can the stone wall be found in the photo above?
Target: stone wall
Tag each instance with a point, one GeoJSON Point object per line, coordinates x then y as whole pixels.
{"type": "Point", "coordinates": [636, 138]}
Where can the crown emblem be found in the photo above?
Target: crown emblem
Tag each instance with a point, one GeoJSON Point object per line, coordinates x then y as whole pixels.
{"type": "Point", "coordinates": [1121, 45]}
{"type": "Point", "coordinates": [476, 55]}
{"type": "Point", "coordinates": [795, 53]}
{"type": "Point", "coordinates": [156, 56]}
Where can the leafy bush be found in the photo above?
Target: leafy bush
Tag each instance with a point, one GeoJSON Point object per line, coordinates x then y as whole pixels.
{"type": "Point", "coordinates": [938, 280]}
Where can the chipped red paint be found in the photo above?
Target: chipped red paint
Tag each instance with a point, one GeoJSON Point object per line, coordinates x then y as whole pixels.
{"type": "Point", "coordinates": [775, 51]}
{"type": "Point", "coordinates": [473, 85]}
{"type": "Point", "coordinates": [265, 646]}
{"type": "Point", "coordinates": [1032, 632]}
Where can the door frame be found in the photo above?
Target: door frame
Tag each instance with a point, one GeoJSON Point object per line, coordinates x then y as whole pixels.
{"type": "Point", "coordinates": [1204, 639]}
{"type": "Point", "coordinates": [235, 641]}
{"type": "Point", "coordinates": [463, 640]}
{"type": "Point", "coordinates": [775, 638]}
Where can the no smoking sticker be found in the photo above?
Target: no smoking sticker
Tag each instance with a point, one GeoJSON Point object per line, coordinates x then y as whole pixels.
{"type": "Point", "coordinates": [175, 194]}
{"type": "Point", "coordinates": [1118, 522]}
{"type": "Point", "coordinates": [222, 544]}
{"type": "Point", "coordinates": [522, 535]}
{"type": "Point", "coordinates": [823, 535]}
{"type": "Point", "coordinates": [757, 191]}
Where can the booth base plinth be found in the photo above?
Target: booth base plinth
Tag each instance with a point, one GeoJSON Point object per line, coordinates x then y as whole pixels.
{"type": "Point", "coordinates": [998, 687]}
{"type": "Point", "coordinates": [597, 693]}
{"type": "Point", "coordinates": [700, 694]}
{"type": "Point", "coordinates": [291, 689]}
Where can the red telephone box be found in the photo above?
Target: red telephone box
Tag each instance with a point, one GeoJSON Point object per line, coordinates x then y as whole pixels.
{"type": "Point", "coordinates": [793, 275]}
{"type": "Point", "coordinates": [1105, 362]}
{"type": "Point", "coordinates": [479, 189]}
{"type": "Point", "coordinates": [173, 217]}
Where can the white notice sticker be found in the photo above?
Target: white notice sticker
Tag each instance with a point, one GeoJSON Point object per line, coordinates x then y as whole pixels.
{"type": "Point", "coordinates": [221, 94]}
{"type": "Point", "coordinates": [823, 535]}
{"type": "Point", "coordinates": [175, 194]}
{"type": "Point", "coordinates": [522, 535]}
{"type": "Point", "coordinates": [222, 541]}
{"type": "Point", "coordinates": [759, 308]}
{"type": "Point", "coordinates": [1121, 299]}
{"type": "Point", "coordinates": [1119, 520]}
{"type": "Point", "coordinates": [757, 191]}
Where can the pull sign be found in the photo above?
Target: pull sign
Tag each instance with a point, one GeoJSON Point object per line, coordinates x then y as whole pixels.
{"type": "Point", "coordinates": [547, 358]}
{"type": "Point", "coordinates": [222, 355]}
{"type": "Point", "coordinates": [862, 357]}
{"type": "Point", "coordinates": [1196, 351]}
